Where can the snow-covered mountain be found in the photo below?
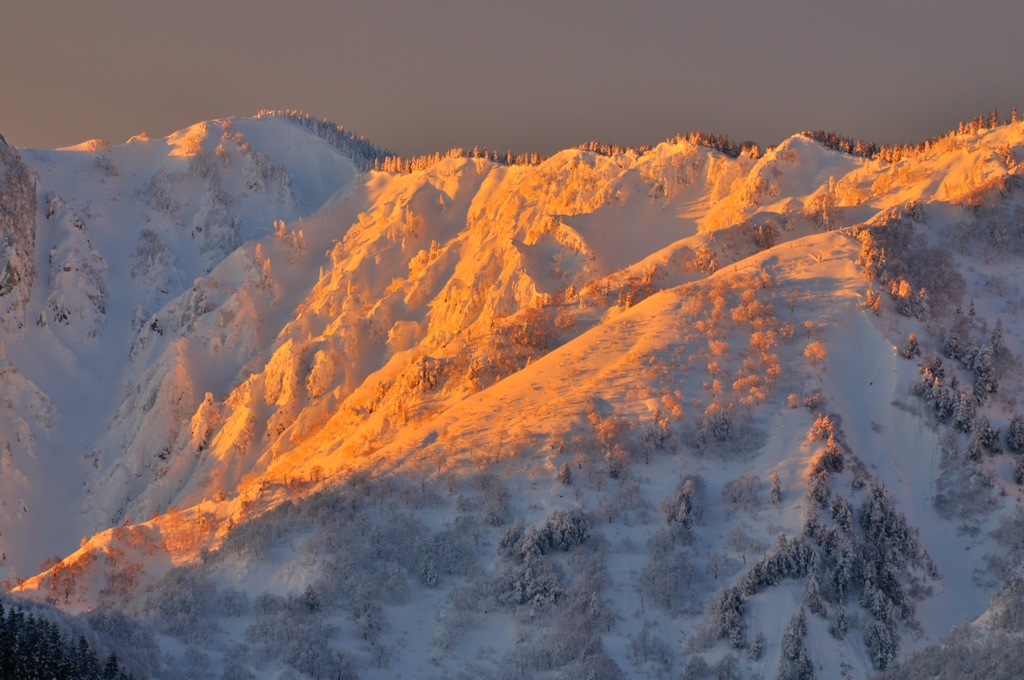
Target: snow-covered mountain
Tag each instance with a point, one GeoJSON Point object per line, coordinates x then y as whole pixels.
{"type": "Point", "coordinates": [686, 409]}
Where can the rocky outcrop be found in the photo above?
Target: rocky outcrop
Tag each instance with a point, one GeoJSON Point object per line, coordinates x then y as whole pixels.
{"type": "Point", "coordinates": [17, 233]}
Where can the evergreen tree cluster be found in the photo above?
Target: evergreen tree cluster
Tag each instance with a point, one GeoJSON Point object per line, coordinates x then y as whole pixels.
{"type": "Point", "coordinates": [369, 156]}
{"type": "Point", "coordinates": [1015, 442]}
{"type": "Point", "coordinates": [871, 554]}
{"type": "Point", "coordinates": [532, 578]}
{"type": "Point", "coordinates": [32, 647]}
{"type": "Point", "coordinates": [796, 663]}
{"type": "Point", "coordinates": [847, 145]}
{"type": "Point", "coordinates": [922, 279]}
{"type": "Point", "coordinates": [897, 152]}
{"type": "Point", "coordinates": [946, 404]}
{"type": "Point", "coordinates": [400, 165]}
{"type": "Point", "coordinates": [603, 149]}
{"type": "Point", "coordinates": [983, 438]}
{"type": "Point", "coordinates": [720, 143]}
{"type": "Point", "coordinates": [356, 147]}
{"type": "Point", "coordinates": [976, 358]}
{"type": "Point", "coordinates": [562, 530]}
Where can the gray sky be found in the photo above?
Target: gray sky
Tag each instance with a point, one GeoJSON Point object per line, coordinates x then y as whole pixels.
{"type": "Point", "coordinates": [424, 76]}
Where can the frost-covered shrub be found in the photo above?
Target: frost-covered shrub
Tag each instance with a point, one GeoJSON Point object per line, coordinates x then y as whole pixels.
{"type": "Point", "coordinates": [658, 437]}
{"type": "Point", "coordinates": [236, 663]}
{"type": "Point", "coordinates": [497, 507]}
{"type": "Point", "coordinates": [560, 531]}
{"type": "Point", "coordinates": [739, 539]}
{"type": "Point", "coordinates": [300, 641]}
{"type": "Point", "coordinates": [593, 664]}
{"type": "Point", "coordinates": [105, 165]}
{"type": "Point", "coordinates": [465, 601]}
{"type": "Point", "coordinates": [233, 602]}
{"type": "Point", "coordinates": [714, 426]}
{"type": "Point", "coordinates": [133, 641]}
{"type": "Point", "coordinates": [253, 540]}
{"type": "Point", "coordinates": [537, 582]}
{"type": "Point", "coordinates": [179, 604]}
{"type": "Point", "coordinates": [217, 229]}
{"type": "Point", "coordinates": [261, 174]}
{"type": "Point", "coordinates": [963, 488]}
{"type": "Point", "coordinates": [673, 583]}
{"type": "Point", "coordinates": [744, 492]}
{"type": "Point", "coordinates": [649, 648]}
{"type": "Point", "coordinates": [266, 604]}
{"type": "Point", "coordinates": [579, 618]}
{"type": "Point", "coordinates": [705, 259]}
{"type": "Point", "coordinates": [583, 608]}
{"type": "Point", "coordinates": [891, 249]}
{"type": "Point", "coordinates": [378, 560]}
{"type": "Point", "coordinates": [696, 668]}
{"type": "Point", "coordinates": [451, 552]}
{"type": "Point", "coordinates": [158, 193]}
{"type": "Point", "coordinates": [371, 621]}
{"type": "Point", "coordinates": [728, 668]}
{"type": "Point", "coordinates": [566, 530]}
{"type": "Point", "coordinates": [964, 654]}
{"type": "Point", "coordinates": [1007, 606]}
{"type": "Point", "coordinates": [814, 401]}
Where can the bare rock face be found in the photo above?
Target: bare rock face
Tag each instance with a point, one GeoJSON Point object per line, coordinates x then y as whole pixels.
{"type": "Point", "coordinates": [17, 232]}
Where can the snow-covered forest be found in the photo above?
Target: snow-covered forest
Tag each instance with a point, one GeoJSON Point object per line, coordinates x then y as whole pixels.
{"type": "Point", "coordinates": [279, 403]}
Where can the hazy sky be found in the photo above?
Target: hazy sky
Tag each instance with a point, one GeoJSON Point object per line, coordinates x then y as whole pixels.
{"type": "Point", "coordinates": [531, 76]}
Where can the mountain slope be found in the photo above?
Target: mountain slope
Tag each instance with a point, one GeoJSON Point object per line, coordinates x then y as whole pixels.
{"type": "Point", "coordinates": [694, 353]}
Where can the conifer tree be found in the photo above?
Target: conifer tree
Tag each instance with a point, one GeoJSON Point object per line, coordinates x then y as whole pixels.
{"type": "Point", "coordinates": [1015, 434]}
{"type": "Point", "coordinates": [776, 492]}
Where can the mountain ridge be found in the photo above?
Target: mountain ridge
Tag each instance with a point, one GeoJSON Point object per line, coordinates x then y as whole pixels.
{"type": "Point", "coordinates": [470, 318]}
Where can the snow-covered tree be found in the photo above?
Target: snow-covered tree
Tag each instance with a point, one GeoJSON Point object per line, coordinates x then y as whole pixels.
{"type": "Point", "coordinates": [686, 506]}
{"type": "Point", "coordinates": [796, 664]}
{"type": "Point", "coordinates": [1015, 434]}
{"type": "Point", "coordinates": [910, 349]}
